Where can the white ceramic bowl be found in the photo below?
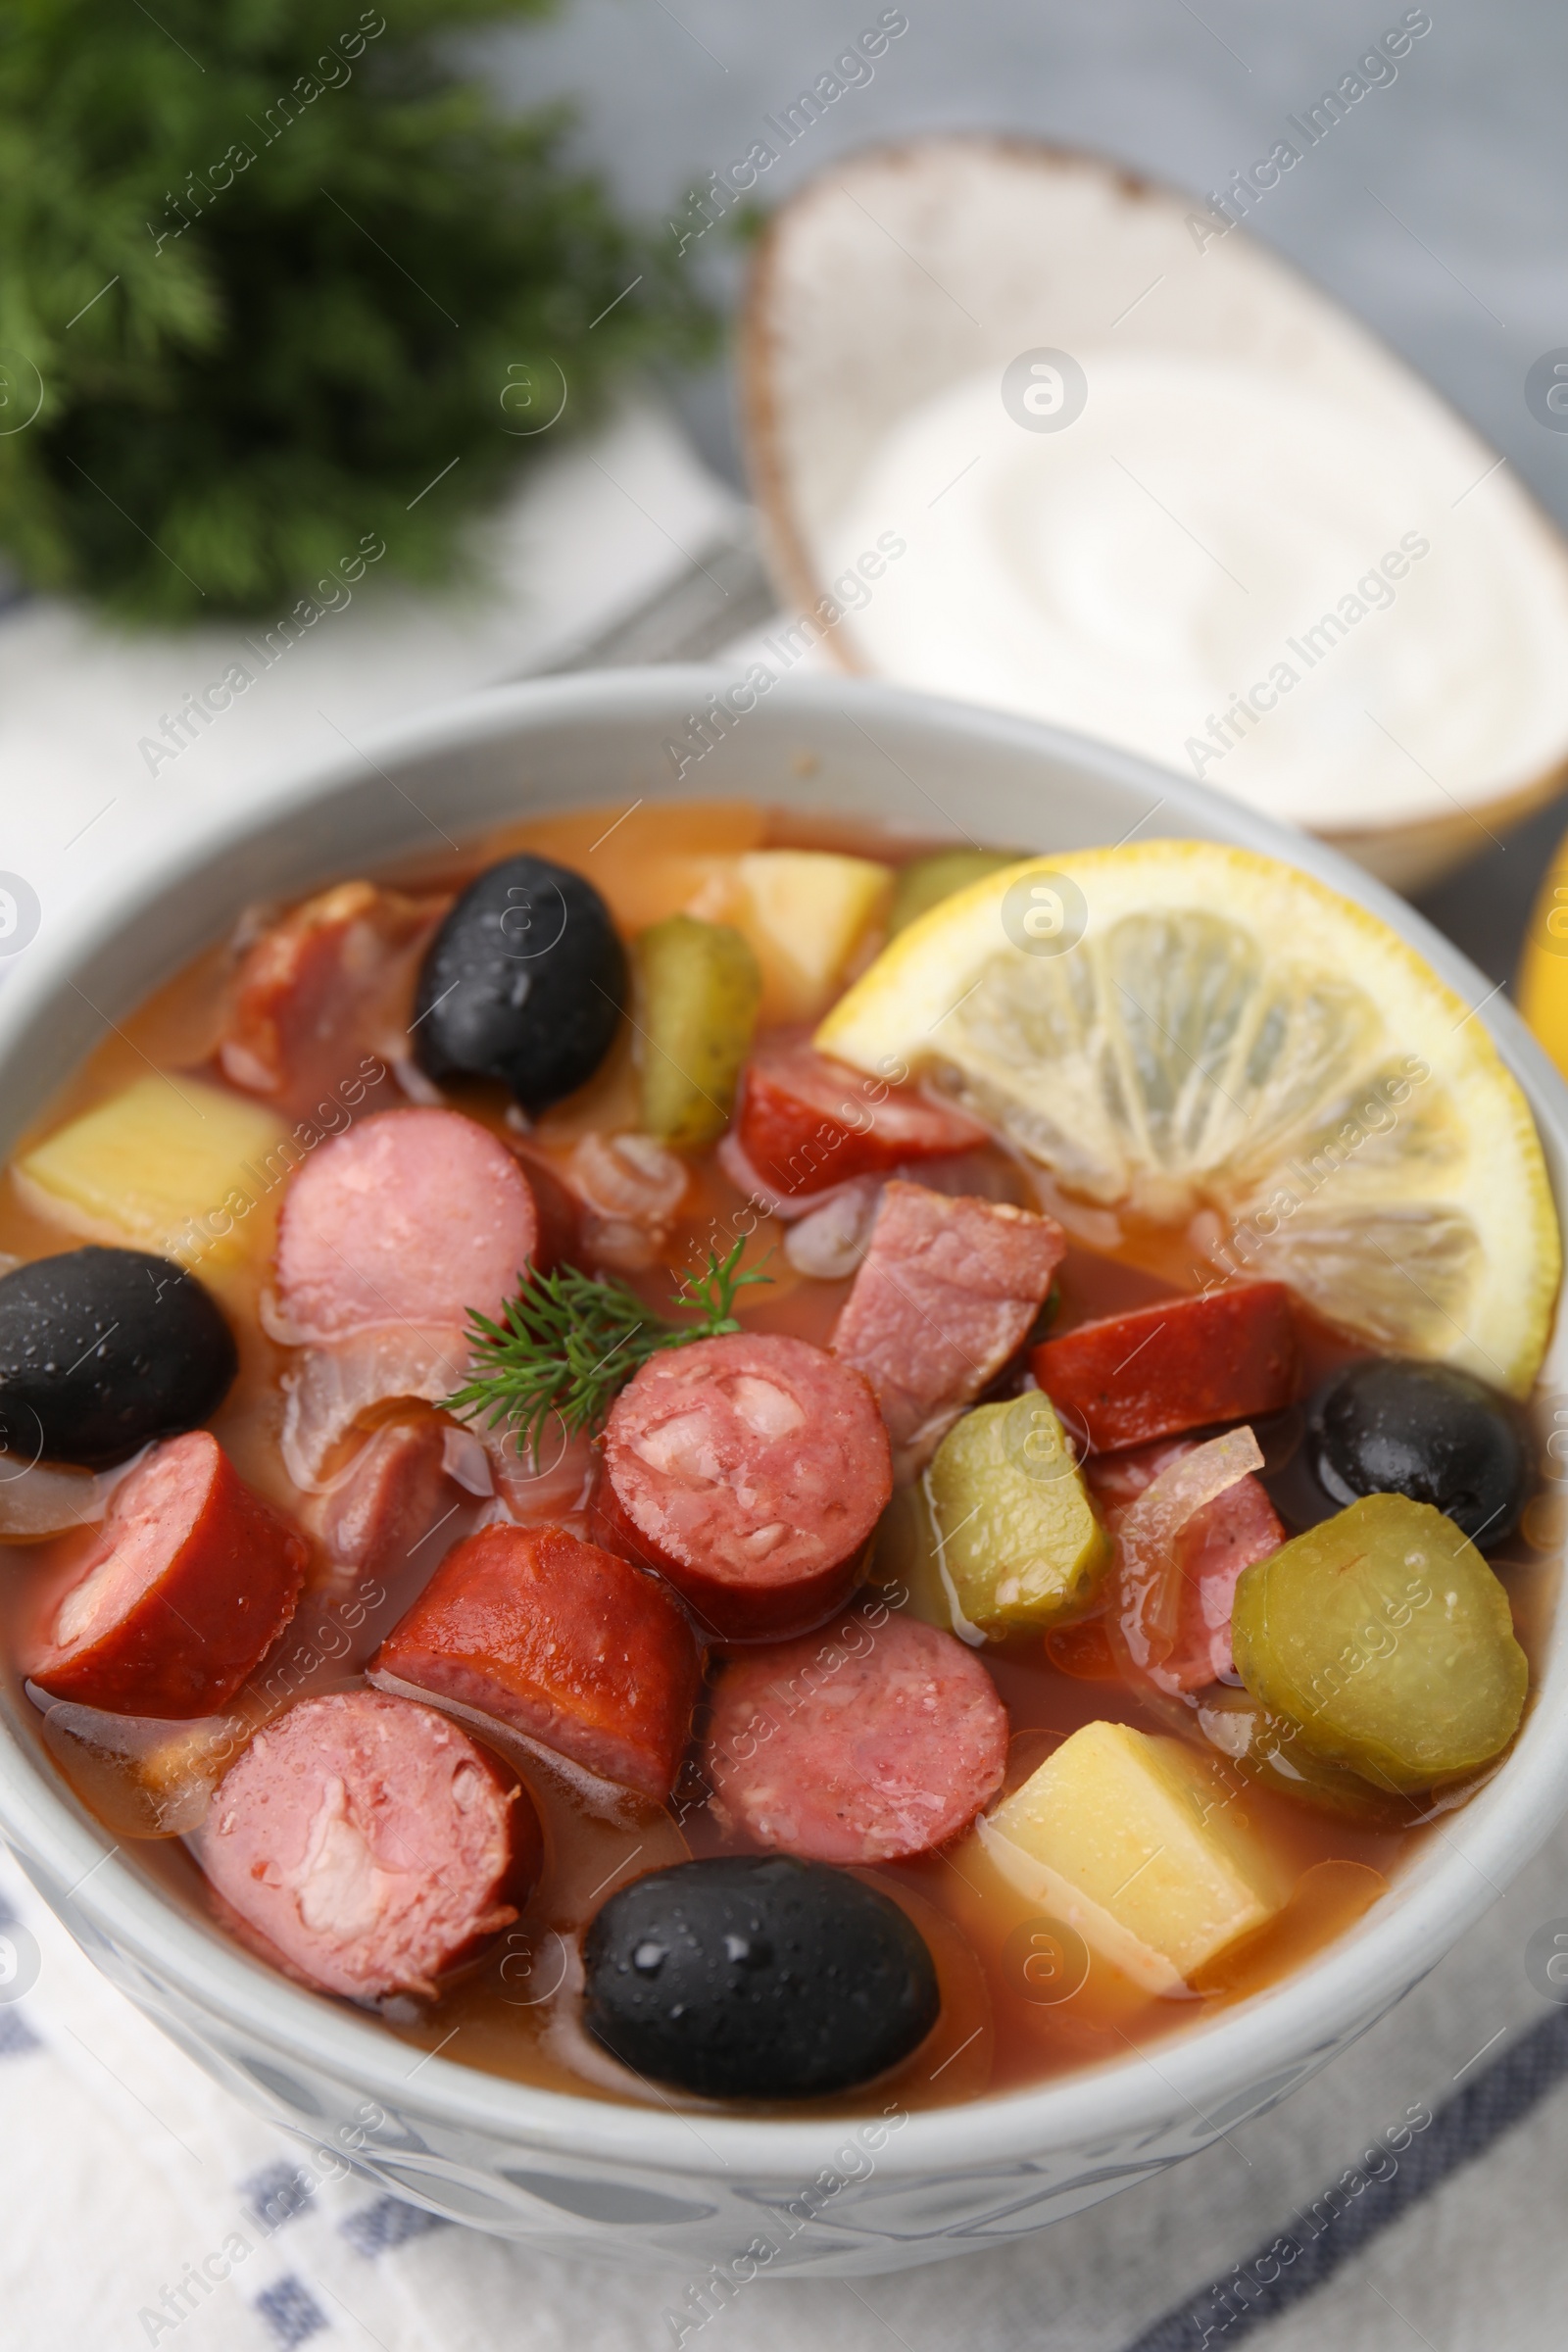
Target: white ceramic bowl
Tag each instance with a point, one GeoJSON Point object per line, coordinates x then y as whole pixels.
{"type": "Point", "coordinates": [632, 2182]}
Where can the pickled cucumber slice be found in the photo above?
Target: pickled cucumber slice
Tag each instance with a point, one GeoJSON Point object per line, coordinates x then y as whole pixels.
{"type": "Point", "coordinates": [1020, 1544]}
{"type": "Point", "coordinates": [926, 881]}
{"type": "Point", "coordinates": [1385, 1637]}
{"type": "Point", "coordinates": [699, 987]}
{"type": "Point", "coordinates": [1271, 1750]}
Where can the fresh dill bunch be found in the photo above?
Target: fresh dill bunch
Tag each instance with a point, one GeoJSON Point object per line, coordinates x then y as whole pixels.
{"type": "Point", "coordinates": [278, 277]}
{"type": "Point", "coordinates": [570, 1342]}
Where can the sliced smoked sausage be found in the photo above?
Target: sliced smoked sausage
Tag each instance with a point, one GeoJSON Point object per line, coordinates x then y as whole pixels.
{"type": "Point", "coordinates": [568, 1644]}
{"type": "Point", "coordinates": [805, 1123]}
{"type": "Point", "coordinates": [879, 1742]}
{"type": "Point", "coordinates": [1177, 1366]}
{"type": "Point", "coordinates": [185, 1586]}
{"type": "Point", "coordinates": [371, 1844]}
{"type": "Point", "coordinates": [749, 1470]}
{"type": "Point", "coordinates": [411, 1217]}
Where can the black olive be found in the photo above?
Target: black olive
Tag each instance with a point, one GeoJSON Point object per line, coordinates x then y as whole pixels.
{"type": "Point", "coordinates": [1427, 1430]}
{"type": "Point", "coordinates": [102, 1351]}
{"type": "Point", "coordinates": [757, 1976]}
{"type": "Point", "coordinates": [525, 981]}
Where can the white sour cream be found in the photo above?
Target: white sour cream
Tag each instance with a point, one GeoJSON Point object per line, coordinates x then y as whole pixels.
{"type": "Point", "coordinates": [1238, 576]}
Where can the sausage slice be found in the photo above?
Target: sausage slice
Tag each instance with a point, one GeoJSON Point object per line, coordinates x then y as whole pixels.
{"type": "Point", "coordinates": [806, 1123]}
{"type": "Point", "coordinates": [883, 1743]}
{"type": "Point", "coordinates": [1174, 1366]}
{"type": "Point", "coordinates": [750, 1471]}
{"type": "Point", "coordinates": [395, 1498]}
{"type": "Point", "coordinates": [190, 1580]}
{"type": "Point", "coordinates": [411, 1217]}
{"type": "Point", "coordinates": [945, 1296]}
{"type": "Point", "coordinates": [370, 1843]}
{"type": "Point", "coordinates": [570, 1645]}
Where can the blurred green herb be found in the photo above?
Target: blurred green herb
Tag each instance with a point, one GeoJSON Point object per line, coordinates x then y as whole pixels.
{"type": "Point", "coordinates": [266, 269]}
{"type": "Point", "coordinates": [570, 1342]}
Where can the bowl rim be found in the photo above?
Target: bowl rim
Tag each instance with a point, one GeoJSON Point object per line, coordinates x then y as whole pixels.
{"type": "Point", "coordinates": [1259, 2049]}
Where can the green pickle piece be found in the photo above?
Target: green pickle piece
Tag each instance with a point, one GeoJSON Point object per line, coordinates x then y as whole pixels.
{"type": "Point", "coordinates": [926, 881]}
{"type": "Point", "coordinates": [1020, 1543]}
{"type": "Point", "coordinates": [1385, 1637]}
{"type": "Point", "coordinates": [699, 987]}
{"type": "Point", "coordinates": [905, 1560]}
{"type": "Point", "coordinates": [1271, 1750]}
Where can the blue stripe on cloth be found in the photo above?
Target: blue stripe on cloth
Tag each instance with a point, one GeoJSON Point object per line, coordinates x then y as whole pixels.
{"type": "Point", "coordinates": [15, 2035]}
{"type": "Point", "coordinates": [274, 2196]}
{"type": "Point", "coordinates": [1301, 2258]}
{"type": "Point", "coordinates": [292, 2314]}
{"type": "Point", "coordinates": [390, 2222]}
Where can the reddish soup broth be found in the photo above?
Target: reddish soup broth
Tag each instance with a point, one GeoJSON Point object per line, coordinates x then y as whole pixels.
{"type": "Point", "coordinates": [1011, 2017]}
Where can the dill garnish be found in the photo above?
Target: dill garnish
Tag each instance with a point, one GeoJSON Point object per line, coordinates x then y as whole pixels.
{"type": "Point", "coordinates": [568, 1342]}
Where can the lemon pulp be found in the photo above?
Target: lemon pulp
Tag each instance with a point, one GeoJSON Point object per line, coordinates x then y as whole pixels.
{"type": "Point", "coordinates": [1208, 1040]}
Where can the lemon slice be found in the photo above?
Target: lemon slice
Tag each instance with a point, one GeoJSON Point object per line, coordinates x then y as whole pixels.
{"type": "Point", "coordinates": [1197, 1038]}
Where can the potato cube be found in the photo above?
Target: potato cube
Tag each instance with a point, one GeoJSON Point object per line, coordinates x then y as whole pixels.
{"type": "Point", "coordinates": [1020, 1542]}
{"type": "Point", "coordinates": [170, 1165]}
{"type": "Point", "coordinates": [805, 913]}
{"type": "Point", "coordinates": [1136, 1842]}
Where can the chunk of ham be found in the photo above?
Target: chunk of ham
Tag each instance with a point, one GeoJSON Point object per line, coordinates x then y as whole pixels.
{"type": "Point", "coordinates": [333, 977]}
{"type": "Point", "coordinates": [945, 1294]}
{"type": "Point", "coordinates": [1208, 1552]}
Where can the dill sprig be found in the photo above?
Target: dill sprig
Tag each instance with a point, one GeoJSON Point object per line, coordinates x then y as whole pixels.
{"type": "Point", "coordinates": [570, 1342]}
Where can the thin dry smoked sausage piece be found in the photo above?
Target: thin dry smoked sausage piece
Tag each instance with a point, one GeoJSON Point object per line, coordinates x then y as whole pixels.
{"type": "Point", "coordinates": [568, 1644]}
{"type": "Point", "coordinates": [1174, 1366]}
{"type": "Point", "coordinates": [190, 1580]}
{"type": "Point", "coordinates": [411, 1217]}
{"type": "Point", "coordinates": [369, 1845]}
{"type": "Point", "coordinates": [750, 1471]}
{"type": "Point", "coordinates": [877, 1743]}
{"type": "Point", "coordinates": [806, 1123]}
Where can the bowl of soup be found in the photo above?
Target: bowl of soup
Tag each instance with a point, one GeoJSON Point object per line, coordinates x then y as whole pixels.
{"type": "Point", "coordinates": [777, 1480]}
